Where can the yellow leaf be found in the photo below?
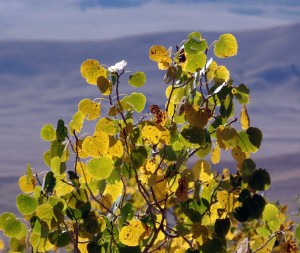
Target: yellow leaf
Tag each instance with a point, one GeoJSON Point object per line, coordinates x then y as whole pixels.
{"type": "Point", "coordinates": [115, 190]}
{"type": "Point", "coordinates": [201, 170]}
{"type": "Point", "coordinates": [226, 200]}
{"type": "Point", "coordinates": [77, 122]}
{"type": "Point", "coordinates": [39, 243]}
{"type": "Point", "coordinates": [97, 145]}
{"type": "Point", "coordinates": [90, 109]}
{"type": "Point", "coordinates": [91, 70]}
{"type": "Point", "coordinates": [62, 188]}
{"type": "Point", "coordinates": [210, 74]}
{"type": "Point", "coordinates": [216, 154]}
{"type": "Point", "coordinates": [239, 156]}
{"type": "Point", "coordinates": [156, 134]}
{"type": "Point", "coordinates": [245, 120]}
{"type": "Point", "coordinates": [106, 202]}
{"type": "Point", "coordinates": [115, 148]}
{"type": "Point", "coordinates": [158, 54]}
{"type": "Point", "coordinates": [106, 125]}
{"type": "Point", "coordinates": [131, 234]}
{"type": "Point", "coordinates": [82, 245]}
{"type": "Point", "coordinates": [81, 169]}
{"type": "Point", "coordinates": [27, 184]}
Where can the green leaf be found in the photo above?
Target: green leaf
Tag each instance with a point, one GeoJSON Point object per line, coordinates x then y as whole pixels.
{"type": "Point", "coordinates": [248, 168]}
{"type": "Point", "coordinates": [6, 219]}
{"type": "Point", "coordinates": [195, 62]}
{"type": "Point", "coordinates": [56, 165]}
{"type": "Point", "coordinates": [260, 180]}
{"type": "Point", "coordinates": [244, 143]}
{"type": "Point", "coordinates": [49, 182]}
{"type": "Point", "coordinates": [56, 149]}
{"type": "Point", "coordinates": [195, 44]}
{"type": "Point", "coordinates": [136, 101]}
{"type": "Point", "coordinates": [100, 168]}
{"type": "Point", "coordinates": [47, 158]}
{"type": "Point", "coordinates": [48, 133]}
{"type": "Point", "coordinates": [61, 131]}
{"type": "Point", "coordinates": [241, 93]}
{"type": "Point", "coordinates": [11, 226]}
{"type": "Point", "coordinates": [59, 239]}
{"type": "Point", "coordinates": [138, 79]}
{"type": "Point", "coordinates": [270, 212]}
{"type": "Point", "coordinates": [26, 204]}
{"type": "Point", "coordinates": [139, 156]}
{"type": "Point", "coordinates": [298, 233]}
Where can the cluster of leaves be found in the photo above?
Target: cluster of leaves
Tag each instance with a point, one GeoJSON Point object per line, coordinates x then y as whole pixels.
{"type": "Point", "coordinates": [150, 183]}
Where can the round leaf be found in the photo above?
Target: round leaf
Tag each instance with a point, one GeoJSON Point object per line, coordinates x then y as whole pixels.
{"type": "Point", "coordinates": [226, 46]}
{"type": "Point", "coordinates": [26, 204]}
{"type": "Point", "coordinates": [100, 168]}
{"type": "Point", "coordinates": [48, 133]}
{"type": "Point", "coordinates": [138, 79]}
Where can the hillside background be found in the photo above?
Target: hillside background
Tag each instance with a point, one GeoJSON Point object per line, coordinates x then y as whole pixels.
{"type": "Point", "coordinates": [40, 79]}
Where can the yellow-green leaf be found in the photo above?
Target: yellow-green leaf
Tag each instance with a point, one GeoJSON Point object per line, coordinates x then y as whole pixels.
{"type": "Point", "coordinates": [226, 46]}
{"type": "Point", "coordinates": [100, 168]}
{"type": "Point", "coordinates": [138, 79]}
{"type": "Point", "coordinates": [48, 133]}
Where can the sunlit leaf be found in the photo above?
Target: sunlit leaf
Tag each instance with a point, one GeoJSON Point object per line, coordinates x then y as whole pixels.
{"type": "Point", "coordinates": [138, 79]}
{"type": "Point", "coordinates": [195, 44]}
{"type": "Point", "coordinates": [76, 123]}
{"type": "Point", "coordinates": [158, 53]}
{"type": "Point", "coordinates": [45, 213]}
{"type": "Point", "coordinates": [100, 168]}
{"type": "Point", "coordinates": [215, 154]}
{"type": "Point", "coordinates": [194, 62]}
{"type": "Point", "coordinates": [115, 190]}
{"type": "Point", "coordinates": [27, 184]}
{"type": "Point", "coordinates": [138, 100]}
{"type": "Point", "coordinates": [96, 145]}
{"type": "Point", "coordinates": [106, 125]}
{"type": "Point", "coordinates": [132, 234]}
{"type": "Point", "coordinates": [226, 46]}
{"type": "Point", "coordinates": [26, 204]}
{"type": "Point", "coordinates": [48, 133]}
{"type": "Point", "coordinates": [202, 172]}
{"type": "Point", "coordinates": [226, 200]}
{"type": "Point", "coordinates": [241, 93]}
{"type": "Point", "coordinates": [210, 74]}
{"type": "Point", "coordinates": [91, 70]}
{"type": "Point", "coordinates": [221, 74]}
{"type": "Point", "coordinates": [245, 120]}
{"type": "Point", "coordinates": [39, 243]}
{"type": "Point", "coordinates": [90, 109]}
